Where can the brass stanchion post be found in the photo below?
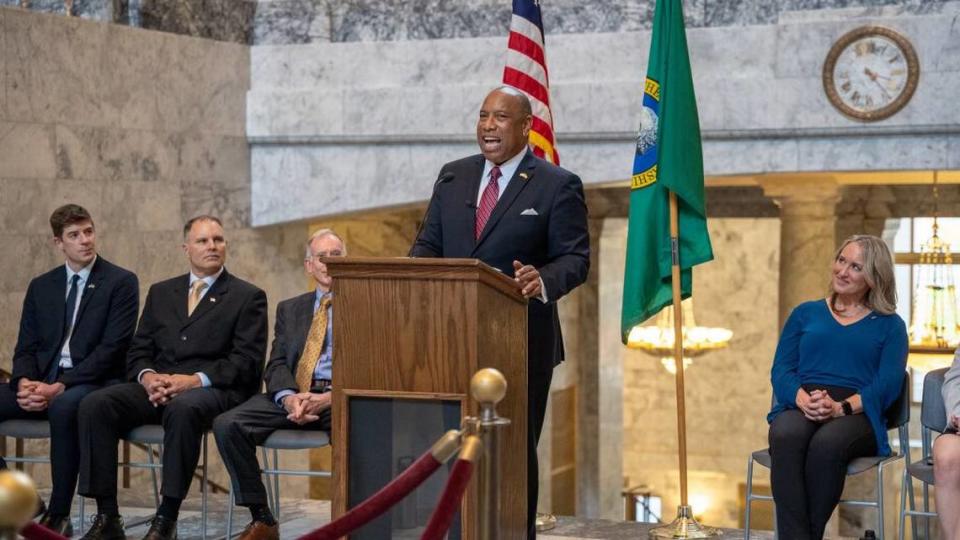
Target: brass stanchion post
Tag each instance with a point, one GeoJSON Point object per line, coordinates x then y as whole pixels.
{"type": "Point", "coordinates": [18, 502]}
{"type": "Point", "coordinates": [488, 386]}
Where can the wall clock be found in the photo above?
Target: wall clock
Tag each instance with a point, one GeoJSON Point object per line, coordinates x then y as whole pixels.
{"type": "Point", "coordinates": [870, 73]}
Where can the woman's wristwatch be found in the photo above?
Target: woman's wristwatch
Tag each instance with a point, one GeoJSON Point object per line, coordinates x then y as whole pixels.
{"type": "Point", "coordinates": [847, 408]}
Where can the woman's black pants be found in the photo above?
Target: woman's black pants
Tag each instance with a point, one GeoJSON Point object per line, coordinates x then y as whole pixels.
{"type": "Point", "coordinates": [809, 464]}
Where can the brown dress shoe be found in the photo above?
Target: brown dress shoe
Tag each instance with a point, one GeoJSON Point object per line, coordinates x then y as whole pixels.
{"type": "Point", "coordinates": [161, 528]}
{"type": "Point", "coordinates": [105, 527]}
{"type": "Point", "coordinates": [258, 530]}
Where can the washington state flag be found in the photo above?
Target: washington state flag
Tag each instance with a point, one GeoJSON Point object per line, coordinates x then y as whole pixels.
{"type": "Point", "coordinates": [669, 157]}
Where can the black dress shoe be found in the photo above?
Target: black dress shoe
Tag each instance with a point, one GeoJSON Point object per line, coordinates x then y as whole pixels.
{"type": "Point", "coordinates": [162, 528]}
{"type": "Point", "coordinates": [105, 527]}
{"type": "Point", "coordinates": [57, 523]}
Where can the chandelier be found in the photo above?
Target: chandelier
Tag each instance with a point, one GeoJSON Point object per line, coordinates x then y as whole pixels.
{"type": "Point", "coordinates": [934, 323]}
{"type": "Point", "coordinates": [657, 339]}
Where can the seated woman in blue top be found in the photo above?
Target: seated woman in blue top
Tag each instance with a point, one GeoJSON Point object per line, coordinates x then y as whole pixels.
{"type": "Point", "coordinates": [839, 365]}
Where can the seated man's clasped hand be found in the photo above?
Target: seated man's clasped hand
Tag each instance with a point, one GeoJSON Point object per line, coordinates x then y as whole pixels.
{"type": "Point", "coordinates": [305, 407]}
{"type": "Point", "coordinates": [35, 396]}
{"type": "Point", "coordinates": [162, 387]}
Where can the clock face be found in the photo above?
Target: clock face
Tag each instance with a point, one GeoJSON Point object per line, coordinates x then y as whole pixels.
{"type": "Point", "coordinates": [870, 73]}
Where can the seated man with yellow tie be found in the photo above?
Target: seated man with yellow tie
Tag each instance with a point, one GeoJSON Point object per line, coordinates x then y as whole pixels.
{"type": "Point", "coordinates": [197, 352]}
{"type": "Point", "coordinates": [297, 376]}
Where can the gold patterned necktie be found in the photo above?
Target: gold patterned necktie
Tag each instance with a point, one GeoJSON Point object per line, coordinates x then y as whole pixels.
{"type": "Point", "coordinates": [314, 346]}
{"type": "Point", "coordinates": [196, 290]}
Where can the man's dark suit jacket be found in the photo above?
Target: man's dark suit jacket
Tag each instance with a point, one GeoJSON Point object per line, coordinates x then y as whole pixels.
{"type": "Point", "coordinates": [540, 220]}
{"type": "Point", "coordinates": [106, 318]}
{"type": "Point", "coordinates": [225, 337]}
{"type": "Point", "coordinates": [290, 330]}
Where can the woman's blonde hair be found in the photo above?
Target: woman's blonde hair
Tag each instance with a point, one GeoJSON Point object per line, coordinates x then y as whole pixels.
{"type": "Point", "coordinates": [877, 271]}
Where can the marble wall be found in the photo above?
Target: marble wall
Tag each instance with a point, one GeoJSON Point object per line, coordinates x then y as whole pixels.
{"type": "Point", "coordinates": [225, 20]}
{"type": "Point", "coordinates": [276, 22]}
{"type": "Point", "coordinates": [374, 121]}
{"type": "Point", "coordinates": [304, 21]}
{"type": "Point", "coordinates": [145, 129]}
{"type": "Point", "coordinates": [222, 20]}
{"type": "Point", "coordinates": [99, 10]}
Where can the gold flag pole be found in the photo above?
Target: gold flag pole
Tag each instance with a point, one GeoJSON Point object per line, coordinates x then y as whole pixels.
{"type": "Point", "coordinates": [685, 525]}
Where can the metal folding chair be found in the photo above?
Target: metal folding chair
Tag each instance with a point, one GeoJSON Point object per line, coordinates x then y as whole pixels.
{"type": "Point", "coordinates": [898, 416]}
{"type": "Point", "coordinates": [933, 419]}
{"type": "Point", "coordinates": [151, 435]}
{"type": "Point", "coordinates": [33, 429]}
{"type": "Point", "coordinates": [282, 439]}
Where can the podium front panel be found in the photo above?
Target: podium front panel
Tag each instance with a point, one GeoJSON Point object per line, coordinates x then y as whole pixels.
{"type": "Point", "coordinates": [386, 436]}
{"type": "Point", "coordinates": [419, 329]}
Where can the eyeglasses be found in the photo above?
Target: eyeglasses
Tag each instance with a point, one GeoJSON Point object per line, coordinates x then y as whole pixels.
{"type": "Point", "coordinates": [322, 254]}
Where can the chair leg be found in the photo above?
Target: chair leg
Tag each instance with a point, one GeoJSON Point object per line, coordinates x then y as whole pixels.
{"type": "Point", "coordinates": [903, 504]}
{"type": "Point", "coordinates": [926, 508]}
{"type": "Point", "coordinates": [276, 482]}
{"type": "Point", "coordinates": [268, 484]}
{"type": "Point", "coordinates": [80, 508]}
{"type": "Point", "coordinates": [204, 486]}
{"type": "Point", "coordinates": [230, 502]}
{"type": "Point", "coordinates": [749, 501]}
{"type": "Point", "coordinates": [153, 474]}
{"type": "Point", "coordinates": [880, 520]}
{"type": "Point", "coordinates": [912, 499]}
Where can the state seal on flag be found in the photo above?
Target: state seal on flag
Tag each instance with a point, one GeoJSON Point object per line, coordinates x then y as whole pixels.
{"type": "Point", "coordinates": [647, 136]}
{"type": "Point", "coordinates": [645, 159]}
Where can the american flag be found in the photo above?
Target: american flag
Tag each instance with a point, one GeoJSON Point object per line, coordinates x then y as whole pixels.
{"type": "Point", "coordinates": [526, 70]}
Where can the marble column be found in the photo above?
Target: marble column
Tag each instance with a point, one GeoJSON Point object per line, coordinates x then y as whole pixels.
{"type": "Point", "coordinates": [595, 424]}
{"type": "Point", "coordinates": [589, 392]}
{"type": "Point", "coordinates": [606, 442]}
{"type": "Point", "coordinates": [865, 210]}
{"type": "Point", "coordinates": [807, 235]}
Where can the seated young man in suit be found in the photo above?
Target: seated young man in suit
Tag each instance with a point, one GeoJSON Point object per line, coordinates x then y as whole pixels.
{"type": "Point", "coordinates": [197, 352]}
{"type": "Point", "coordinates": [298, 379]}
{"type": "Point", "coordinates": [75, 328]}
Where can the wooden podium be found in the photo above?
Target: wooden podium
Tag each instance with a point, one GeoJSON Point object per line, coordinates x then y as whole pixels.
{"type": "Point", "coordinates": [415, 331]}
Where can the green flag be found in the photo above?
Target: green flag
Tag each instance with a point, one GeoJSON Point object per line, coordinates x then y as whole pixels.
{"type": "Point", "coordinates": [668, 158]}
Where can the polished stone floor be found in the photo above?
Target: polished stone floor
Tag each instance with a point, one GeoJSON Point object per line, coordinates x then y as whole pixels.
{"type": "Point", "coordinates": [299, 516]}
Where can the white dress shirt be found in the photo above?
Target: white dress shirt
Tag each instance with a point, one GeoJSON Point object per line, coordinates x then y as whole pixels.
{"type": "Point", "coordinates": [507, 169]}
{"type": "Point", "coordinates": [65, 361]}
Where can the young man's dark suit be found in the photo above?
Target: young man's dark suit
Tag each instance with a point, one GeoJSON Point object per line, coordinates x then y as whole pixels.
{"type": "Point", "coordinates": [224, 338]}
{"type": "Point", "coordinates": [539, 220]}
{"type": "Point", "coordinates": [103, 327]}
{"type": "Point", "coordinates": [241, 429]}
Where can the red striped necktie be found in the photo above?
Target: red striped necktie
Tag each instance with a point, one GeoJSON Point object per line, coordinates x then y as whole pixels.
{"type": "Point", "coordinates": [487, 201]}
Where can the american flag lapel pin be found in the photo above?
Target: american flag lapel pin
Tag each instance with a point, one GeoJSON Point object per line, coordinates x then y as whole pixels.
{"type": "Point", "coordinates": [212, 299]}
{"type": "Point", "coordinates": [524, 175]}
{"type": "Point", "coordinates": [91, 286]}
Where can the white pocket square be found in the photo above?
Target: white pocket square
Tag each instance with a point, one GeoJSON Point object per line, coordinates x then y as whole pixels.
{"type": "Point", "coordinates": [529, 212]}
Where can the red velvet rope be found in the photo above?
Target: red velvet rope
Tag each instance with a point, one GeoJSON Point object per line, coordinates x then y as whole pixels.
{"type": "Point", "coordinates": [379, 502]}
{"type": "Point", "coordinates": [33, 531]}
{"type": "Point", "coordinates": [449, 501]}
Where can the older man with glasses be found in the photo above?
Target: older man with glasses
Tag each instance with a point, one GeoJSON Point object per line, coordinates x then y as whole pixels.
{"type": "Point", "coordinates": [298, 377]}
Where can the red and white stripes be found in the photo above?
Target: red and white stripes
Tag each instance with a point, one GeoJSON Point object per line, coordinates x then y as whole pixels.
{"type": "Point", "coordinates": [526, 70]}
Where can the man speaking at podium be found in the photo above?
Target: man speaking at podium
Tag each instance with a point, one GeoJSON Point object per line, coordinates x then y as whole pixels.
{"type": "Point", "coordinates": [525, 217]}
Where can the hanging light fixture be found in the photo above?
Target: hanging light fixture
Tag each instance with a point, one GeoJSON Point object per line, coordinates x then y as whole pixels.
{"type": "Point", "coordinates": [934, 324]}
{"type": "Point", "coordinates": [657, 339]}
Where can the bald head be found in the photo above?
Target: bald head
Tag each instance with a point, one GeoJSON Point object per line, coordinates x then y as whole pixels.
{"type": "Point", "coordinates": [504, 124]}
{"type": "Point", "coordinates": [517, 94]}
